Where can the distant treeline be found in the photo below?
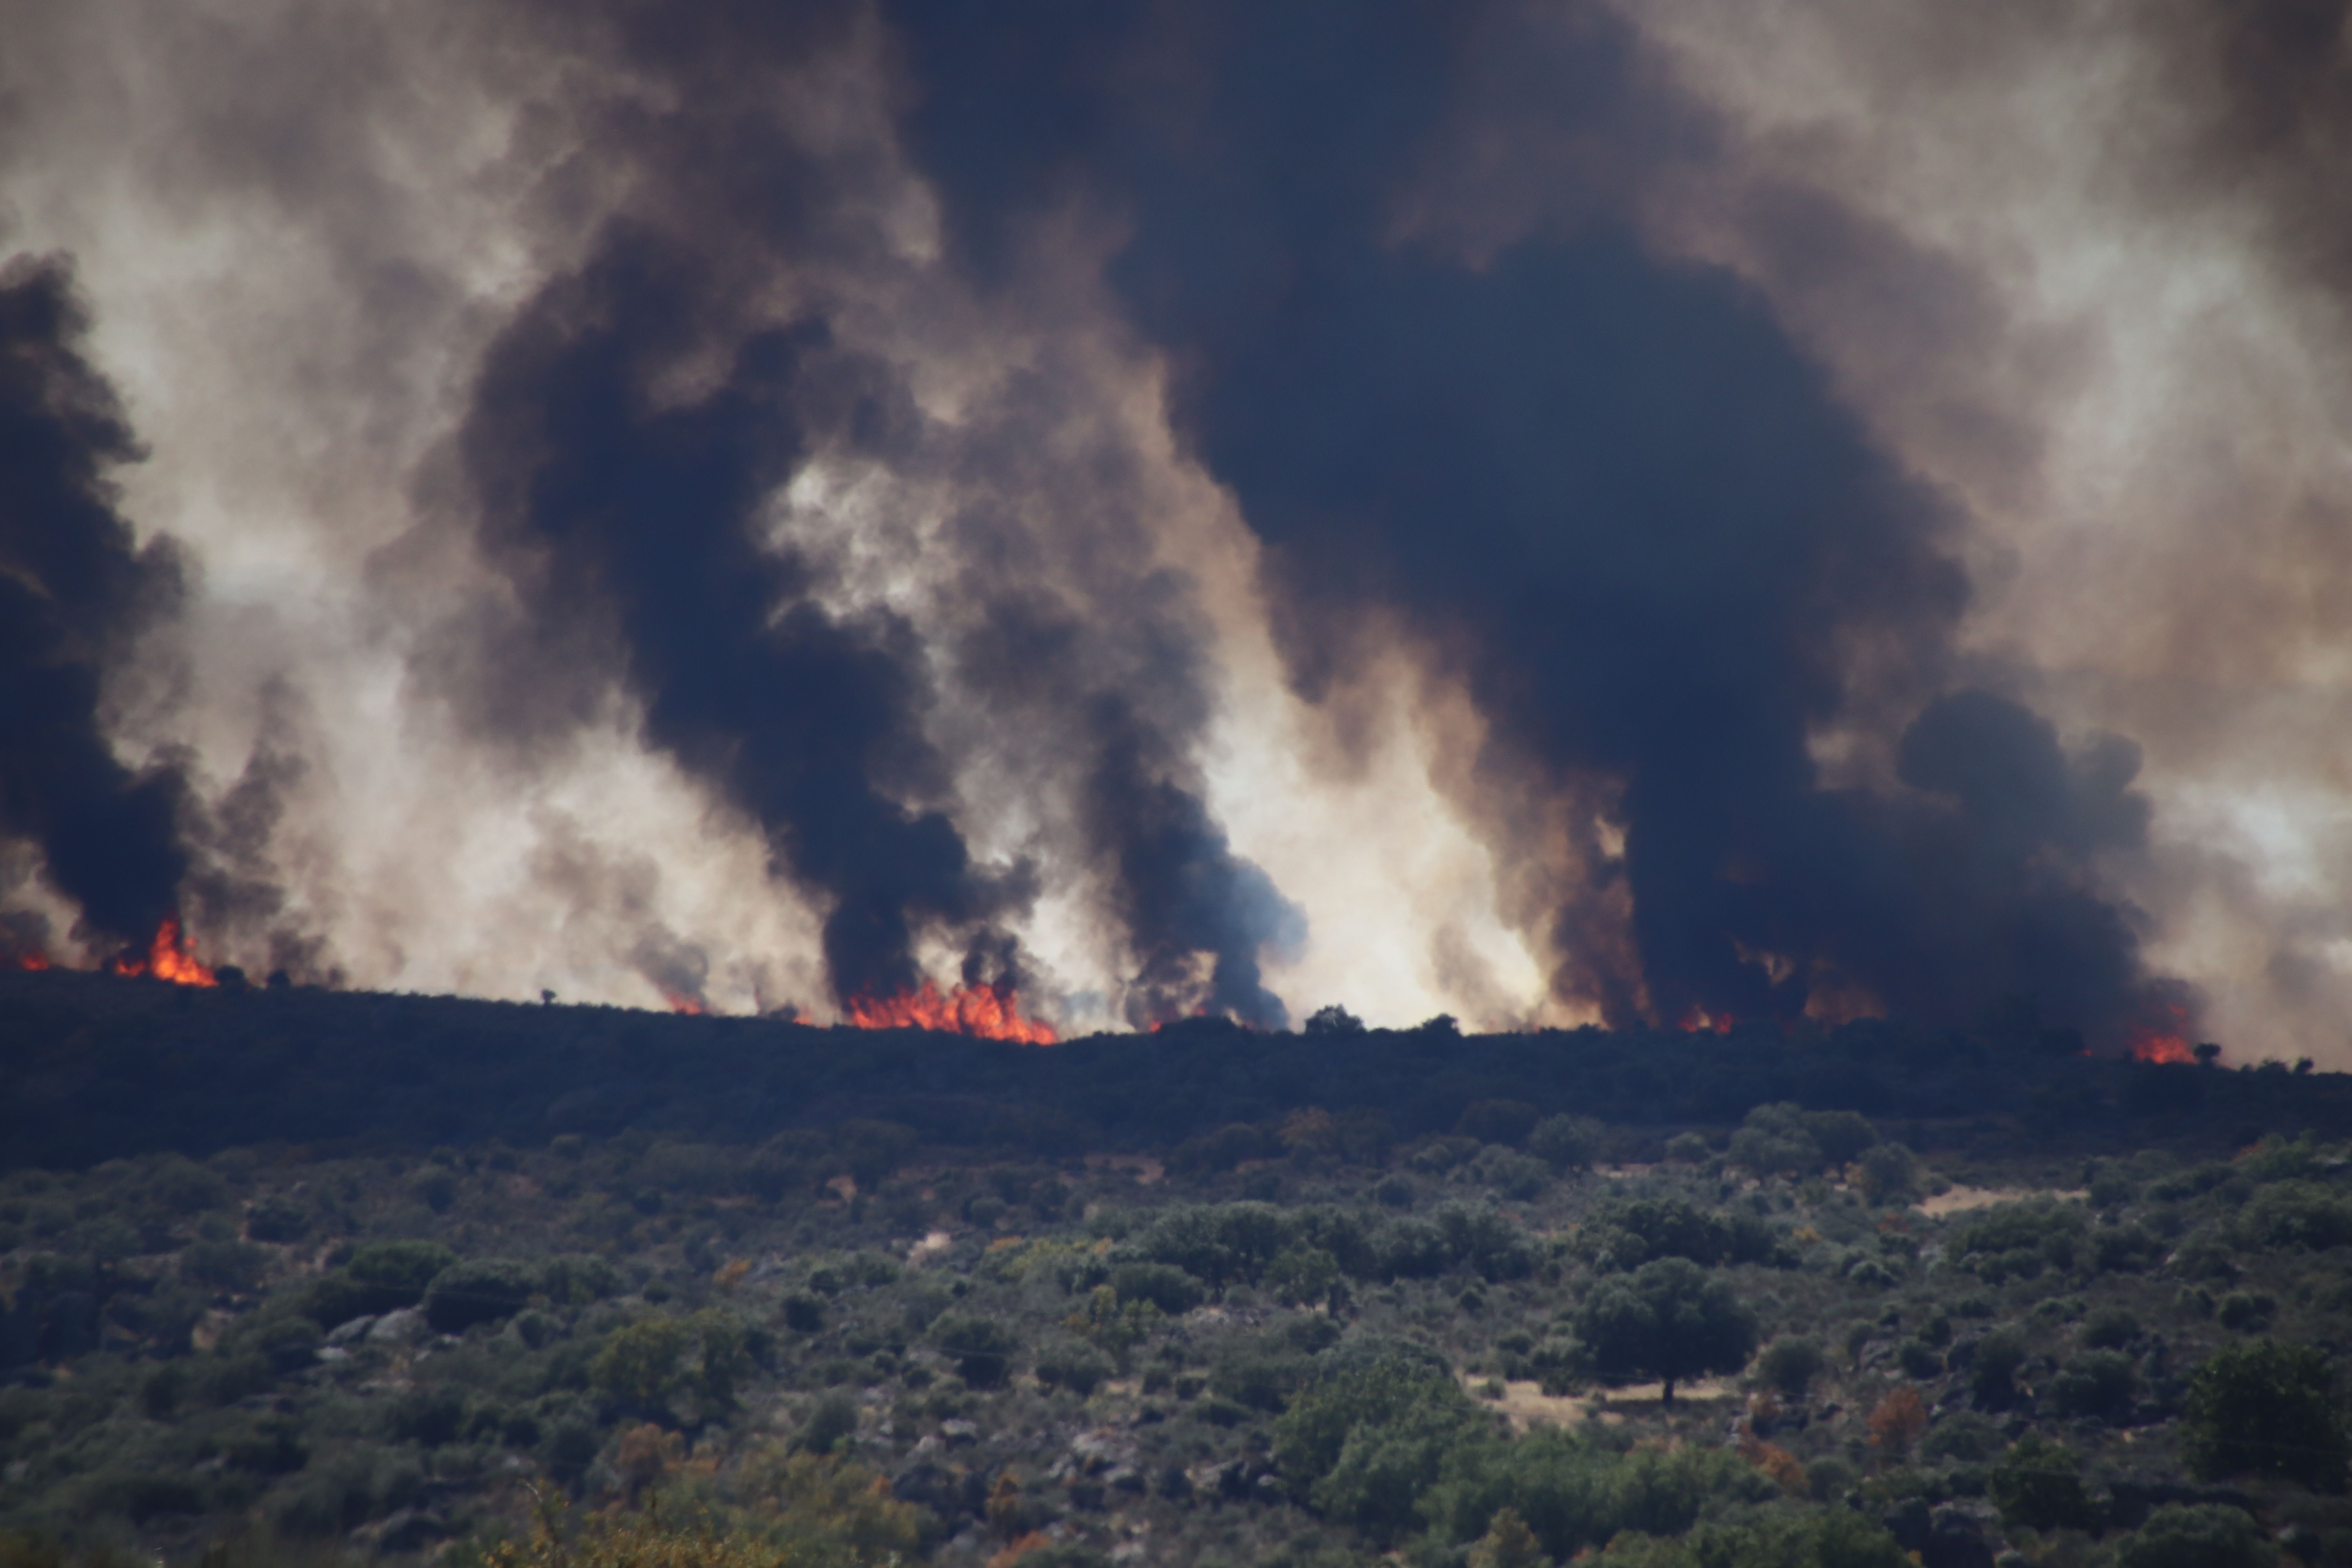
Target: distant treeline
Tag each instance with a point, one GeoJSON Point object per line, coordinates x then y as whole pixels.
{"type": "Point", "coordinates": [94, 1068]}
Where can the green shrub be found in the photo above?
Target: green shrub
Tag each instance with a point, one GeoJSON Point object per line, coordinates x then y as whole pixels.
{"type": "Point", "coordinates": [1993, 1363]}
{"type": "Point", "coordinates": [2039, 1485]}
{"type": "Point", "coordinates": [1075, 1364]}
{"type": "Point", "coordinates": [1362, 1444]}
{"type": "Point", "coordinates": [2205, 1535]}
{"type": "Point", "coordinates": [2095, 1383]}
{"type": "Point", "coordinates": [2110, 1328]}
{"type": "Point", "coordinates": [1302, 1276]}
{"type": "Point", "coordinates": [831, 1420]}
{"type": "Point", "coordinates": [279, 1218]}
{"type": "Point", "coordinates": [1163, 1285]}
{"type": "Point", "coordinates": [1789, 1364]}
{"type": "Point", "coordinates": [1566, 1143]}
{"type": "Point", "coordinates": [1889, 1173]}
{"type": "Point", "coordinates": [1574, 1493]}
{"type": "Point", "coordinates": [483, 1290]}
{"type": "Point", "coordinates": [641, 1363]}
{"type": "Point", "coordinates": [2299, 1214]}
{"type": "Point", "coordinates": [2245, 1311]}
{"type": "Point", "coordinates": [224, 1265]}
{"type": "Point", "coordinates": [981, 1347]}
{"type": "Point", "coordinates": [395, 1273]}
{"type": "Point", "coordinates": [577, 1279]}
{"type": "Point", "coordinates": [1964, 1436]}
{"type": "Point", "coordinates": [2266, 1409]}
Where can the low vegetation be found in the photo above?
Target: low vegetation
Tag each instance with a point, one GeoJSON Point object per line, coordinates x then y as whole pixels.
{"type": "Point", "coordinates": [1800, 1336]}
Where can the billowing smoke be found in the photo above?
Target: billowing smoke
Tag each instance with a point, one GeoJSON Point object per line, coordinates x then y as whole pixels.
{"type": "Point", "coordinates": [75, 593]}
{"type": "Point", "coordinates": [1628, 508]}
{"type": "Point", "coordinates": [1538, 512]}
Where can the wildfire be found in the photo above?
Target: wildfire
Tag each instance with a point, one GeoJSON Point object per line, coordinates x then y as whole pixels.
{"type": "Point", "coordinates": [967, 1010]}
{"type": "Point", "coordinates": [1699, 1021]}
{"type": "Point", "coordinates": [168, 958]}
{"type": "Point", "coordinates": [2170, 1050]}
{"type": "Point", "coordinates": [2160, 1041]}
{"type": "Point", "coordinates": [689, 1006]}
{"type": "Point", "coordinates": [31, 962]}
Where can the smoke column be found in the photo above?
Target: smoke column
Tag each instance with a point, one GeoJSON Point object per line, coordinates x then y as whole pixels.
{"type": "Point", "coordinates": [75, 593]}
{"type": "Point", "coordinates": [1546, 513]}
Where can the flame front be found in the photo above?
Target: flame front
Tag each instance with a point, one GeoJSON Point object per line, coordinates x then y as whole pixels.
{"type": "Point", "coordinates": [168, 958]}
{"type": "Point", "coordinates": [31, 962]}
{"type": "Point", "coordinates": [690, 1006]}
{"type": "Point", "coordinates": [1699, 1021]}
{"type": "Point", "coordinates": [967, 1010]}
{"type": "Point", "coordinates": [2170, 1050]}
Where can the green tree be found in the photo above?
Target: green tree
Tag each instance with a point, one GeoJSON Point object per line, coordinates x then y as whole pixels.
{"type": "Point", "coordinates": [2268, 1409]}
{"type": "Point", "coordinates": [1670, 1320]}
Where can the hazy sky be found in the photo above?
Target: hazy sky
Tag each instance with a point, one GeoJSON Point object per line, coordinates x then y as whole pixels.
{"type": "Point", "coordinates": [1541, 512]}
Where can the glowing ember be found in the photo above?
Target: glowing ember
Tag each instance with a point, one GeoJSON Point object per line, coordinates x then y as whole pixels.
{"type": "Point", "coordinates": [967, 1010]}
{"type": "Point", "coordinates": [31, 962]}
{"type": "Point", "coordinates": [1699, 1021]}
{"type": "Point", "coordinates": [168, 958]}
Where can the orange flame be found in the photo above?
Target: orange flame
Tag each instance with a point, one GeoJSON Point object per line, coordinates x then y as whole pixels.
{"type": "Point", "coordinates": [2170, 1050]}
{"type": "Point", "coordinates": [690, 1006]}
{"type": "Point", "coordinates": [168, 958]}
{"type": "Point", "coordinates": [2160, 1040]}
{"type": "Point", "coordinates": [1699, 1021]}
{"type": "Point", "coordinates": [967, 1010]}
{"type": "Point", "coordinates": [31, 962]}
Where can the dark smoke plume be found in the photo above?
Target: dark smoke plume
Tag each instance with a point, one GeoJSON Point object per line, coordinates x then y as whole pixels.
{"type": "Point", "coordinates": [616, 514]}
{"type": "Point", "coordinates": [1607, 483]}
{"type": "Point", "coordinates": [75, 593]}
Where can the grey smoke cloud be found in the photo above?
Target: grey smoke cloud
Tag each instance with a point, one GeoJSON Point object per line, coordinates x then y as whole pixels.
{"type": "Point", "coordinates": [2063, 269]}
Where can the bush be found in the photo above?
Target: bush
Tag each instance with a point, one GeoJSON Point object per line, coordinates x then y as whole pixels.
{"type": "Point", "coordinates": [2266, 1409]}
{"type": "Point", "coordinates": [1774, 1141]}
{"type": "Point", "coordinates": [389, 1275]}
{"type": "Point", "coordinates": [2096, 1382]}
{"type": "Point", "coordinates": [1790, 1365]}
{"type": "Point", "coordinates": [1566, 1143]}
{"type": "Point", "coordinates": [2039, 1485]}
{"type": "Point", "coordinates": [2110, 1328]}
{"type": "Point", "coordinates": [830, 1420]}
{"type": "Point", "coordinates": [2299, 1214]}
{"type": "Point", "coordinates": [224, 1265]}
{"type": "Point", "coordinates": [1363, 1444]}
{"type": "Point", "coordinates": [484, 1292]}
{"type": "Point", "coordinates": [639, 1364]}
{"type": "Point", "coordinates": [1963, 1436]}
{"type": "Point", "coordinates": [1074, 1365]}
{"type": "Point", "coordinates": [1889, 1173]}
{"type": "Point", "coordinates": [1163, 1285]}
{"type": "Point", "coordinates": [1507, 1121]}
{"type": "Point", "coordinates": [277, 1218]}
{"type": "Point", "coordinates": [1574, 1493]}
{"type": "Point", "coordinates": [2206, 1535]}
{"type": "Point", "coordinates": [982, 1348]}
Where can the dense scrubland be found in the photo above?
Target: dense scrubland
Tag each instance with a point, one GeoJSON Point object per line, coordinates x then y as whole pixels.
{"type": "Point", "coordinates": [290, 1276]}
